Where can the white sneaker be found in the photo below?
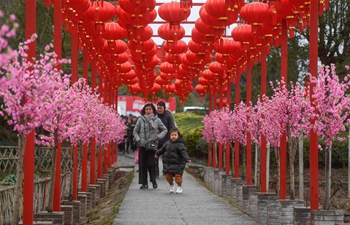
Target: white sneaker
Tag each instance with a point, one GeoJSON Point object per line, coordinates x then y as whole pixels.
{"type": "Point", "coordinates": [171, 188]}
{"type": "Point", "coordinates": [179, 190]}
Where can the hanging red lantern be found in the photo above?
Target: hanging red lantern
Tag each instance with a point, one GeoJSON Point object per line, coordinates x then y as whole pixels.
{"type": "Point", "coordinates": [243, 34]}
{"type": "Point", "coordinates": [200, 38]}
{"type": "Point", "coordinates": [176, 47]}
{"type": "Point", "coordinates": [197, 48]}
{"type": "Point", "coordinates": [100, 13]}
{"type": "Point", "coordinates": [167, 76]}
{"type": "Point", "coordinates": [161, 81]}
{"type": "Point", "coordinates": [256, 13]}
{"type": "Point", "coordinates": [224, 20]}
{"type": "Point", "coordinates": [167, 68]}
{"type": "Point", "coordinates": [203, 81]}
{"type": "Point", "coordinates": [226, 46]}
{"type": "Point", "coordinates": [201, 90]}
{"type": "Point", "coordinates": [173, 13]}
{"type": "Point", "coordinates": [224, 14]}
{"type": "Point", "coordinates": [116, 47]}
{"type": "Point", "coordinates": [208, 74]}
{"type": "Point", "coordinates": [133, 8]}
{"type": "Point", "coordinates": [171, 34]}
{"type": "Point", "coordinates": [174, 59]}
{"type": "Point", "coordinates": [113, 31]}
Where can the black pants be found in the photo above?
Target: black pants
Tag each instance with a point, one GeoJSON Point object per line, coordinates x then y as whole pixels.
{"type": "Point", "coordinates": [146, 166]}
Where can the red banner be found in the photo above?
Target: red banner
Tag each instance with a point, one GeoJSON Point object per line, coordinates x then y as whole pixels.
{"type": "Point", "coordinates": [134, 104]}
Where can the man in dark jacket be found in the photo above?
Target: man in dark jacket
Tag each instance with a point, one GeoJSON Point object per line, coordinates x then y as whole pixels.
{"type": "Point", "coordinates": [168, 121]}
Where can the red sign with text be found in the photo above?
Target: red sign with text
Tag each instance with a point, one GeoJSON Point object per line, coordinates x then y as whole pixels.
{"type": "Point", "coordinates": [134, 104]}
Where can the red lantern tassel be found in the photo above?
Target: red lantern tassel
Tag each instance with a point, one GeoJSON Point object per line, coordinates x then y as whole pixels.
{"type": "Point", "coordinates": [321, 8]}
{"type": "Point", "coordinates": [326, 4]}
{"type": "Point", "coordinates": [291, 32]}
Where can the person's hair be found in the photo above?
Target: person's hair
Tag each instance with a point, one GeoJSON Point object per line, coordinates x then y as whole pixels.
{"type": "Point", "coordinates": [143, 111]}
{"type": "Point", "coordinates": [174, 129]}
{"type": "Point", "coordinates": [161, 103]}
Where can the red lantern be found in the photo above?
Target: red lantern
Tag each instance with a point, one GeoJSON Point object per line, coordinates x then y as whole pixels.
{"type": "Point", "coordinates": [208, 74]}
{"type": "Point", "coordinates": [100, 13]}
{"type": "Point", "coordinates": [161, 81]}
{"type": "Point", "coordinates": [243, 34]}
{"type": "Point", "coordinates": [201, 90]}
{"type": "Point", "coordinates": [226, 46]}
{"type": "Point", "coordinates": [132, 8]}
{"type": "Point", "coordinates": [176, 47]}
{"type": "Point", "coordinates": [167, 68]}
{"type": "Point", "coordinates": [171, 34]}
{"type": "Point", "coordinates": [256, 13]}
{"type": "Point", "coordinates": [173, 13]}
{"type": "Point", "coordinates": [224, 14]}
{"type": "Point", "coordinates": [113, 31]}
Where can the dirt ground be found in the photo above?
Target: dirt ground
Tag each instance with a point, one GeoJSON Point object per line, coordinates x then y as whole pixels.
{"type": "Point", "coordinates": [106, 210]}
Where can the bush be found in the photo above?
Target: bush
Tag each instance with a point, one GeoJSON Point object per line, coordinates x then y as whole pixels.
{"type": "Point", "coordinates": [190, 125]}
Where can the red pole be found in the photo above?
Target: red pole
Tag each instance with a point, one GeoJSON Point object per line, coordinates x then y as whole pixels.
{"type": "Point", "coordinates": [28, 180]}
{"type": "Point", "coordinates": [84, 169]}
{"type": "Point", "coordinates": [249, 138]}
{"type": "Point", "coordinates": [74, 78]}
{"type": "Point", "coordinates": [313, 136]}
{"type": "Point", "coordinates": [283, 141]}
{"type": "Point", "coordinates": [85, 64]}
{"type": "Point", "coordinates": [263, 153]}
{"type": "Point", "coordinates": [238, 93]}
{"type": "Point", "coordinates": [93, 140]}
{"type": "Point", "coordinates": [228, 143]}
{"type": "Point", "coordinates": [58, 50]}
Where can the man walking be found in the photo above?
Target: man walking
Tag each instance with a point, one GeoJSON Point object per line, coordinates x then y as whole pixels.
{"type": "Point", "coordinates": [168, 121]}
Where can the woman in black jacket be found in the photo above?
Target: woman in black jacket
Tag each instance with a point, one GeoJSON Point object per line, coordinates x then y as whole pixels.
{"type": "Point", "coordinates": [174, 159]}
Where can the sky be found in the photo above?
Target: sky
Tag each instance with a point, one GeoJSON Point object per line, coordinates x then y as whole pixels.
{"type": "Point", "coordinates": [188, 27]}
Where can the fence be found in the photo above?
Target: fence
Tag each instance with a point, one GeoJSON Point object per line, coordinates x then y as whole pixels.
{"type": "Point", "coordinates": [43, 158]}
{"type": "Point", "coordinates": [41, 192]}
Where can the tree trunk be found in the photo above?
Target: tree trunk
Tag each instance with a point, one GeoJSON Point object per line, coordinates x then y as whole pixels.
{"type": "Point", "coordinates": [244, 163]}
{"type": "Point", "coordinates": [292, 153]}
{"type": "Point", "coordinates": [257, 166]}
{"type": "Point", "coordinates": [301, 167]}
{"type": "Point", "coordinates": [267, 167]}
{"type": "Point", "coordinates": [52, 180]}
{"type": "Point", "coordinates": [349, 165]}
{"type": "Point", "coordinates": [71, 173]}
{"type": "Point", "coordinates": [327, 179]}
{"type": "Point", "coordinates": [277, 155]}
{"type": "Point", "coordinates": [19, 182]}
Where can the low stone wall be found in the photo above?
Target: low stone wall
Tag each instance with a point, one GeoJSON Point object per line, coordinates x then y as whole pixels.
{"type": "Point", "coordinates": [267, 208]}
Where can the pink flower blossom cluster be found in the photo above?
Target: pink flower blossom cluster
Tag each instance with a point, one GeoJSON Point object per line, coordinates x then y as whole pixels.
{"type": "Point", "coordinates": [37, 94]}
{"type": "Point", "coordinates": [286, 112]}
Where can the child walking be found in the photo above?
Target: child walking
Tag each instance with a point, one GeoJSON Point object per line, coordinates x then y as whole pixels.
{"type": "Point", "coordinates": [174, 159]}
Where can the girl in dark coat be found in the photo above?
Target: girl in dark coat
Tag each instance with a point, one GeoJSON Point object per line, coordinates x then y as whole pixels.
{"type": "Point", "coordinates": [174, 159]}
{"type": "Point", "coordinates": [148, 128]}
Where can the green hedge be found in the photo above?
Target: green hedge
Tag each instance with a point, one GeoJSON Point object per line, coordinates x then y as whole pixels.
{"type": "Point", "coordinates": [190, 125]}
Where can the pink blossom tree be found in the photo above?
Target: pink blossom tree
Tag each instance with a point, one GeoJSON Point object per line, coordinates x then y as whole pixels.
{"type": "Point", "coordinates": [287, 112]}
{"type": "Point", "coordinates": [332, 107]}
{"type": "Point", "coordinates": [28, 89]}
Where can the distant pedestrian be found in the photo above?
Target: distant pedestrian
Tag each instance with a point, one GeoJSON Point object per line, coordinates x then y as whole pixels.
{"type": "Point", "coordinates": [174, 159]}
{"type": "Point", "coordinates": [148, 128]}
{"type": "Point", "coordinates": [167, 119]}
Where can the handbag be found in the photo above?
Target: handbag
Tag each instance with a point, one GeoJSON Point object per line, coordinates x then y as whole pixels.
{"type": "Point", "coordinates": [152, 145]}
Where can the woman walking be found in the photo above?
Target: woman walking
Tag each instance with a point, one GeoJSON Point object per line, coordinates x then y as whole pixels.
{"type": "Point", "coordinates": [148, 128]}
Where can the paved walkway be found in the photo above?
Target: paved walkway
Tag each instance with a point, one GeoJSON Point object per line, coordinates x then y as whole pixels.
{"type": "Point", "coordinates": [196, 205]}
